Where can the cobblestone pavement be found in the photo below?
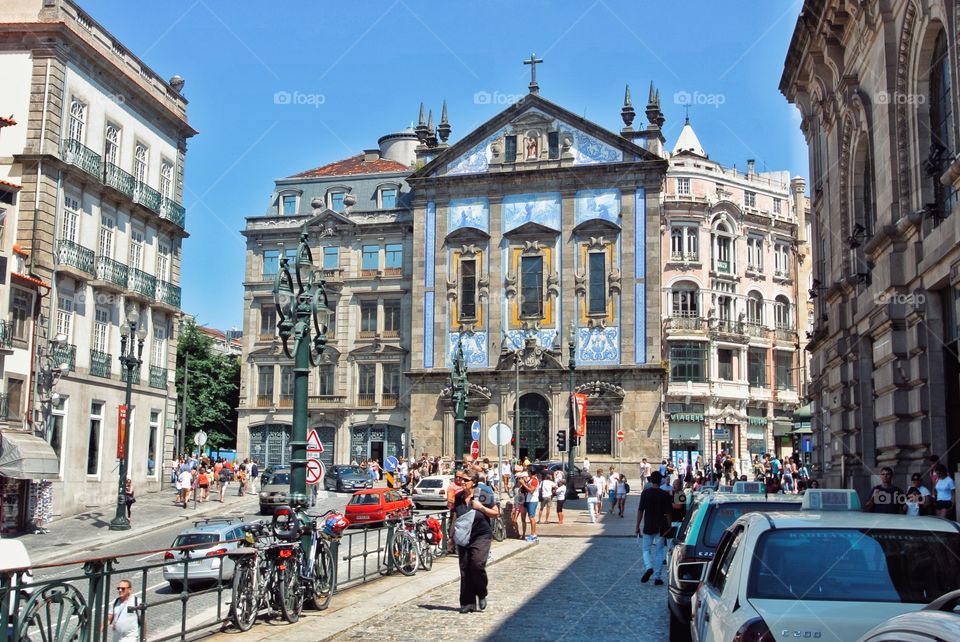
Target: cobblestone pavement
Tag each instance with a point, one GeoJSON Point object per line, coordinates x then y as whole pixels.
{"type": "Point", "coordinates": [562, 589]}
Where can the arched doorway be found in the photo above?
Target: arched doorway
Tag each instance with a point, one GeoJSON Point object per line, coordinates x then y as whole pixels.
{"type": "Point", "coordinates": [269, 444]}
{"type": "Point", "coordinates": [533, 437]}
{"type": "Point", "coordinates": [327, 435]}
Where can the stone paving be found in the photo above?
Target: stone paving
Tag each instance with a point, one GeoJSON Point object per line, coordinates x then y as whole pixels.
{"type": "Point", "coordinates": [561, 589]}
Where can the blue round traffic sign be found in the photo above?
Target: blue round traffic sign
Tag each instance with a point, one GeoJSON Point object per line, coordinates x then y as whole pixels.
{"type": "Point", "coordinates": [391, 463]}
{"type": "Point", "coordinates": [475, 430]}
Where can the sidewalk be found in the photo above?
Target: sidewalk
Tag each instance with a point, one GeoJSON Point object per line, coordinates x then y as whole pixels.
{"type": "Point", "coordinates": [85, 534]}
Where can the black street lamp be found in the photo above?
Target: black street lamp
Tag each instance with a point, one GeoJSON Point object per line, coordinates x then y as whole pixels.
{"type": "Point", "coordinates": [129, 360]}
{"type": "Point", "coordinates": [572, 445]}
{"type": "Point", "coordinates": [297, 311]}
{"type": "Point", "coordinates": [458, 385]}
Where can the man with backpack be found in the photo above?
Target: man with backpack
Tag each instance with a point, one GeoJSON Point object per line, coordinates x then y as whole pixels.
{"type": "Point", "coordinates": [124, 620]}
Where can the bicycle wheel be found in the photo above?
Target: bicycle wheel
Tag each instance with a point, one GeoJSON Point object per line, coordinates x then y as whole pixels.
{"type": "Point", "coordinates": [243, 604]}
{"type": "Point", "coordinates": [322, 578]}
{"type": "Point", "coordinates": [405, 553]}
{"type": "Point", "coordinates": [499, 529]}
{"type": "Point", "coordinates": [290, 596]}
{"type": "Point", "coordinates": [426, 556]}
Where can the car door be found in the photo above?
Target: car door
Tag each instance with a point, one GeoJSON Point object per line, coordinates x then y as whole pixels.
{"type": "Point", "coordinates": [712, 609]}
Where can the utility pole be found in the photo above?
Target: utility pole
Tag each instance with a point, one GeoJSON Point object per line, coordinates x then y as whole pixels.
{"type": "Point", "coordinates": [183, 406]}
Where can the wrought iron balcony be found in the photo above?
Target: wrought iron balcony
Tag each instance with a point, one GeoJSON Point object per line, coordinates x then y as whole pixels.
{"type": "Point", "coordinates": [75, 255]}
{"type": "Point", "coordinates": [286, 401]}
{"type": "Point", "coordinates": [141, 282]}
{"type": "Point", "coordinates": [326, 401]}
{"type": "Point", "coordinates": [389, 400]}
{"type": "Point", "coordinates": [136, 374]}
{"type": "Point", "coordinates": [158, 377]}
{"type": "Point", "coordinates": [174, 212]}
{"type": "Point", "coordinates": [101, 364]}
{"type": "Point", "coordinates": [6, 334]}
{"type": "Point", "coordinates": [754, 329]}
{"type": "Point", "coordinates": [168, 293]}
{"type": "Point", "coordinates": [684, 322]}
{"type": "Point", "coordinates": [112, 271]}
{"type": "Point", "coordinates": [148, 197]}
{"type": "Point", "coordinates": [264, 401]}
{"type": "Point", "coordinates": [365, 400]}
{"type": "Point", "coordinates": [67, 354]}
{"type": "Point", "coordinates": [76, 153]}
{"type": "Point", "coordinates": [785, 333]}
{"type": "Point", "coordinates": [118, 179]}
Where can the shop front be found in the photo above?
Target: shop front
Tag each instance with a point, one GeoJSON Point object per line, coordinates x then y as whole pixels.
{"type": "Point", "coordinates": [726, 438]}
{"type": "Point", "coordinates": [756, 434]}
{"type": "Point", "coordinates": [803, 433]}
{"type": "Point", "coordinates": [783, 433]}
{"type": "Point", "coordinates": [375, 441]}
{"type": "Point", "coordinates": [26, 462]}
{"type": "Point", "coordinates": [686, 442]}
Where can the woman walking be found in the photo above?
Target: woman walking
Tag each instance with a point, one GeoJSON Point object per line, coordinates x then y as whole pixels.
{"type": "Point", "coordinates": [128, 497]}
{"type": "Point", "coordinates": [473, 546]}
{"type": "Point", "coordinates": [592, 493]}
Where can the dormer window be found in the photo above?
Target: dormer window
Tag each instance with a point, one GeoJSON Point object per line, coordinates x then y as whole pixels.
{"type": "Point", "coordinates": [288, 205]}
{"type": "Point", "coordinates": [336, 201]}
{"type": "Point", "coordinates": [388, 197]}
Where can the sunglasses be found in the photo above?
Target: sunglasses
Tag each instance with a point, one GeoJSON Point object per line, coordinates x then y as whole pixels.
{"type": "Point", "coordinates": [123, 588]}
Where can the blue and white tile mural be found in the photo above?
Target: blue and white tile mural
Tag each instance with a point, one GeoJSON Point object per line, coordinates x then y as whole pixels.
{"type": "Point", "coordinates": [598, 204]}
{"type": "Point", "coordinates": [474, 348]}
{"type": "Point", "coordinates": [477, 159]}
{"type": "Point", "coordinates": [531, 208]}
{"type": "Point", "coordinates": [587, 150]}
{"type": "Point", "coordinates": [598, 346]}
{"type": "Point", "coordinates": [468, 212]}
{"type": "Point", "coordinates": [514, 339]}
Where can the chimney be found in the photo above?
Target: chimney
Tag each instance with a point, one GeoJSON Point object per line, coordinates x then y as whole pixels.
{"type": "Point", "coordinates": [751, 166]}
{"type": "Point", "coordinates": [370, 155]}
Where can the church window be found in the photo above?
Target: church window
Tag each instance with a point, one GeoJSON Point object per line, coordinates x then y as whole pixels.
{"type": "Point", "coordinates": [531, 287]}
{"type": "Point", "coordinates": [598, 283]}
{"type": "Point", "coordinates": [941, 127]}
{"type": "Point", "coordinates": [468, 289]}
{"type": "Point", "coordinates": [553, 144]}
{"type": "Point", "coordinates": [510, 149]}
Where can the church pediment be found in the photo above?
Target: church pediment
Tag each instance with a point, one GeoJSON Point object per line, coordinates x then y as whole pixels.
{"type": "Point", "coordinates": [531, 230]}
{"type": "Point", "coordinates": [466, 235]}
{"type": "Point", "coordinates": [541, 131]}
{"type": "Point", "coordinates": [328, 221]}
{"type": "Point", "coordinates": [596, 227]}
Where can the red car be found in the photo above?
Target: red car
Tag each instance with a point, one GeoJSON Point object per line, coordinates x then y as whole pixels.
{"type": "Point", "coordinates": [371, 505]}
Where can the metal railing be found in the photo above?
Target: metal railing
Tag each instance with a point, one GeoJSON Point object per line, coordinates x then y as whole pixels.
{"type": "Point", "coordinates": [168, 293]}
{"type": "Point", "coordinates": [75, 255]}
{"type": "Point", "coordinates": [365, 400]}
{"type": "Point", "coordinates": [685, 323]}
{"type": "Point", "coordinates": [158, 377]}
{"type": "Point", "coordinates": [173, 212]}
{"type": "Point", "coordinates": [148, 197]}
{"type": "Point", "coordinates": [6, 334]}
{"type": "Point", "coordinates": [67, 354]}
{"type": "Point", "coordinates": [119, 180]}
{"type": "Point", "coordinates": [101, 364]}
{"type": "Point", "coordinates": [112, 271]}
{"type": "Point", "coordinates": [264, 401]}
{"type": "Point", "coordinates": [135, 377]}
{"type": "Point", "coordinates": [141, 282]}
{"type": "Point", "coordinates": [76, 153]}
{"type": "Point", "coordinates": [326, 401]}
{"type": "Point", "coordinates": [389, 399]}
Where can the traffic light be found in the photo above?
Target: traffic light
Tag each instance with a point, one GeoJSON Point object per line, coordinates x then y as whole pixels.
{"type": "Point", "coordinates": [562, 440]}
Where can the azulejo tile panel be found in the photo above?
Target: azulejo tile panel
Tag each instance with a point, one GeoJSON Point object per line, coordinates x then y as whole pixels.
{"type": "Point", "coordinates": [587, 150]}
{"type": "Point", "coordinates": [474, 348]}
{"type": "Point", "coordinates": [598, 346]}
{"type": "Point", "coordinates": [543, 209]}
{"type": "Point", "coordinates": [468, 212]}
{"type": "Point", "coordinates": [428, 315]}
{"type": "Point", "coordinates": [515, 338]}
{"type": "Point", "coordinates": [598, 204]}
{"type": "Point", "coordinates": [477, 159]}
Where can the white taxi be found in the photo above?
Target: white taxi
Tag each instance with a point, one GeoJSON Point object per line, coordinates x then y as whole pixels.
{"type": "Point", "coordinates": [828, 572]}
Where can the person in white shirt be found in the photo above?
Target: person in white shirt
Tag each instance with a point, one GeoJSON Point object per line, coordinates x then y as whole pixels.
{"type": "Point", "coordinates": [547, 487]}
{"type": "Point", "coordinates": [944, 491]}
{"type": "Point", "coordinates": [186, 485]}
{"type": "Point", "coordinates": [612, 480]}
{"type": "Point", "coordinates": [122, 619]}
{"type": "Point", "coordinates": [601, 482]}
{"type": "Point", "coordinates": [919, 499]}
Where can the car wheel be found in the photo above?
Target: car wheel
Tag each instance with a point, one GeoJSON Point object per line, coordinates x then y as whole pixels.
{"type": "Point", "coordinates": [176, 586]}
{"type": "Point", "coordinates": [339, 487]}
{"type": "Point", "coordinates": [679, 630]}
{"type": "Point", "coordinates": [264, 510]}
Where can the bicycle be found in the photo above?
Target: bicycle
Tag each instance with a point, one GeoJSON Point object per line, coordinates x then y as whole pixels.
{"type": "Point", "coordinates": [499, 526]}
{"type": "Point", "coordinates": [425, 542]}
{"type": "Point", "coordinates": [319, 577]}
{"type": "Point", "coordinates": [252, 577]}
{"type": "Point", "coordinates": [402, 547]}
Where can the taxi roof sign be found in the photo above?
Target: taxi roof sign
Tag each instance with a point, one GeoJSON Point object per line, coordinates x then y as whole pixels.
{"type": "Point", "coordinates": [835, 499]}
{"type": "Point", "coordinates": [750, 487]}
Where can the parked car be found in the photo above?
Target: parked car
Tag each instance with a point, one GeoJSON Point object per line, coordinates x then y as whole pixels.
{"type": "Point", "coordinates": [210, 541]}
{"type": "Point", "coordinates": [341, 478]}
{"type": "Point", "coordinates": [551, 467]}
{"type": "Point", "coordinates": [431, 492]}
{"type": "Point", "coordinates": [696, 542]}
{"type": "Point", "coordinates": [828, 572]}
{"type": "Point", "coordinates": [274, 486]}
{"type": "Point", "coordinates": [937, 621]}
{"type": "Point", "coordinates": [372, 505]}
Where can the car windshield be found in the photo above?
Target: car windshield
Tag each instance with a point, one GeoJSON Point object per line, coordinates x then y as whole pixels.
{"type": "Point", "coordinates": [430, 483]}
{"type": "Point", "coordinates": [723, 515]}
{"type": "Point", "coordinates": [367, 499]}
{"type": "Point", "coordinates": [193, 539]}
{"type": "Point", "coordinates": [349, 470]}
{"type": "Point", "coordinates": [277, 478]}
{"type": "Point", "coordinates": [862, 565]}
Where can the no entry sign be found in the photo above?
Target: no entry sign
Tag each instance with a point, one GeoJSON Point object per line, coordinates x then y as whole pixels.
{"type": "Point", "coordinates": [314, 471]}
{"type": "Point", "coordinates": [475, 449]}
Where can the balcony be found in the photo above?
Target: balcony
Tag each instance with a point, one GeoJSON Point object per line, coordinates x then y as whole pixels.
{"type": "Point", "coordinates": [330, 274]}
{"type": "Point", "coordinates": [100, 364]}
{"type": "Point", "coordinates": [6, 334]}
{"type": "Point", "coordinates": [135, 378]}
{"type": "Point", "coordinates": [389, 400]}
{"type": "Point", "coordinates": [393, 272]}
{"type": "Point", "coordinates": [118, 179]}
{"type": "Point", "coordinates": [174, 212]}
{"type": "Point", "coordinates": [74, 255]}
{"type": "Point", "coordinates": [684, 257]}
{"type": "Point", "coordinates": [754, 329]}
{"type": "Point", "coordinates": [67, 354]}
{"type": "Point", "coordinates": [111, 272]}
{"type": "Point", "coordinates": [265, 401]}
{"type": "Point", "coordinates": [366, 334]}
{"type": "Point", "coordinates": [365, 400]}
{"type": "Point", "coordinates": [391, 334]}
{"type": "Point", "coordinates": [785, 334]}
{"type": "Point", "coordinates": [148, 197]}
{"type": "Point", "coordinates": [368, 274]}
{"type": "Point", "coordinates": [286, 401]}
{"type": "Point", "coordinates": [141, 282]}
{"type": "Point", "coordinates": [326, 401]}
{"type": "Point", "coordinates": [168, 293]}
{"type": "Point", "coordinates": [77, 154]}
{"type": "Point", "coordinates": [729, 326]}
{"type": "Point", "coordinates": [158, 378]}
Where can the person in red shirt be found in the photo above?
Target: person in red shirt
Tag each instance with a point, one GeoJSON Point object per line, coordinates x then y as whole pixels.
{"type": "Point", "coordinates": [531, 488]}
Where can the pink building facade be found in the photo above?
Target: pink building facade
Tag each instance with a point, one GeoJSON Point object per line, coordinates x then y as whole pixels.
{"type": "Point", "coordinates": [735, 308]}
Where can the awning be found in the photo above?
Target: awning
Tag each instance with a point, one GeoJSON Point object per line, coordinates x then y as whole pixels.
{"type": "Point", "coordinates": [803, 413]}
{"type": "Point", "coordinates": [23, 456]}
{"type": "Point", "coordinates": [781, 428]}
{"type": "Point", "coordinates": [685, 416]}
{"type": "Point", "coordinates": [803, 430]}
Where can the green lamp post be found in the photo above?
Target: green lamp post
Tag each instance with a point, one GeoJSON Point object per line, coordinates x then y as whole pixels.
{"type": "Point", "coordinates": [301, 311]}
{"type": "Point", "coordinates": [572, 444]}
{"type": "Point", "coordinates": [458, 384]}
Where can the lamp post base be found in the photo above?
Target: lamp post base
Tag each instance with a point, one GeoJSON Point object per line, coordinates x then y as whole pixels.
{"type": "Point", "coordinates": [119, 524]}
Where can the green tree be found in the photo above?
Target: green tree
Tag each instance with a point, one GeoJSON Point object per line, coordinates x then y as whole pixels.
{"type": "Point", "coordinates": [213, 387]}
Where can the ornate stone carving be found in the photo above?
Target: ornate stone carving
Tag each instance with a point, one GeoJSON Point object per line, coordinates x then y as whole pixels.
{"type": "Point", "coordinates": [532, 247]}
{"type": "Point", "coordinates": [580, 283]}
{"type": "Point", "coordinates": [532, 356]}
{"type": "Point", "coordinates": [599, 388]}
{"type": "Point", "coordinates": [597, 243]}
{"type": "Point", "coordinates": [451, 290]}
{"type": "Point", "coordinates": [613, 281]}
{"type": "Point", "coordinates": [510, 285]}
{"type": "Point", "coordinates": [483, 287]}
{"type": "Point", "coordinates": [553, 285]}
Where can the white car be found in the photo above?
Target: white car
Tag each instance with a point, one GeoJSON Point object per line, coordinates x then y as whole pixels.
{"type": "Point", "coordinates": [938, 621]}
{"type": "Point", "coordinates": [828, 572]}
{"type": "Point", "coordinates": [431, 492]}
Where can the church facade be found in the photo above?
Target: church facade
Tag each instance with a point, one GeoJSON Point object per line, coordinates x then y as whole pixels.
{"type": "Point", "coordinates": [536, 239]}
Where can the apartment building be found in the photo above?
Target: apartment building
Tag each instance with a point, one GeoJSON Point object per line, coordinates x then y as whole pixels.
{"type": "Point", "coordinates": [99, 155]}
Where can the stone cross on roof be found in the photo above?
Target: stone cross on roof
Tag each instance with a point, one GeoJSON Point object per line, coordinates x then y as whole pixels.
{"type": "Point", "coordinates": [533, 62]}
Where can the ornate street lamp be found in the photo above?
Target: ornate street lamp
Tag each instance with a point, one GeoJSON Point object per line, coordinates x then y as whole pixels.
{"type": "Point", "coordinates": [301, 310]}
{"type": "Point", "coordinates": [458, 385]}
{"type": "Point", "coordinates": [572, 443]}
{"type": "Point", "coordinates": [130, 360]}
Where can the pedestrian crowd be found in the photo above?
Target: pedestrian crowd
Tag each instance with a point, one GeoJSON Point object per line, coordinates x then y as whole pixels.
{"type": "Point", "coordinates": [918, 500]}
{"type": "Point", "coordinates": [193, 477]}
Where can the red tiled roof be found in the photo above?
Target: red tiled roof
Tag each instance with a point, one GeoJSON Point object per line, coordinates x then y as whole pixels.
{"type": "Point", "coordinates": [6, 122]}
{"type": "Point", "coordinates": [30, 279]}
{"type": "Point", "coordinates": [354, 165]}
{"type": "Point", "coordinates": [9, 184]}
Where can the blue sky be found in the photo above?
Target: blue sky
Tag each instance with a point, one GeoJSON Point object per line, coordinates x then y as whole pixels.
{"type": "Point", "coordinates": [361, 69]}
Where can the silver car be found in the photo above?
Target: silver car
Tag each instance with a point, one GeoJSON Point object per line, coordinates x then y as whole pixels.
{"type": "Point", "coordinates": [431, 492]}
{"type": "Point", "coordinates": [274, 488]}
{"type": "Point", "coordinates": [209, 540]}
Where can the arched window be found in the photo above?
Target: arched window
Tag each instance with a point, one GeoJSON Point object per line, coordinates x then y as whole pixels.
{"type": "Point", "coordinates": [781, 312]}
{"type": "Point", "coordinates": [723, 248]}
{"type": "Point", "coordinates": [685, 299]}
{"type": "Point", "coordinates": [755, 308]}
{"type": "Point", "coordinates": [942, 138]}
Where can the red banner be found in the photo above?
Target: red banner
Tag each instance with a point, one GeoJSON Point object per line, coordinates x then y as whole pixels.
{"type": "Point", "coordinates": [578, 405]}
{"type": "Point", "coordinates": [121, 431]}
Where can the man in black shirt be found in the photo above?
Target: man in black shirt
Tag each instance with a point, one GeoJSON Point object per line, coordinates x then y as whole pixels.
{"type": "Point", "coordinates": [885, 497]}
{"type": "Point", "coordinates": [653, 520]}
